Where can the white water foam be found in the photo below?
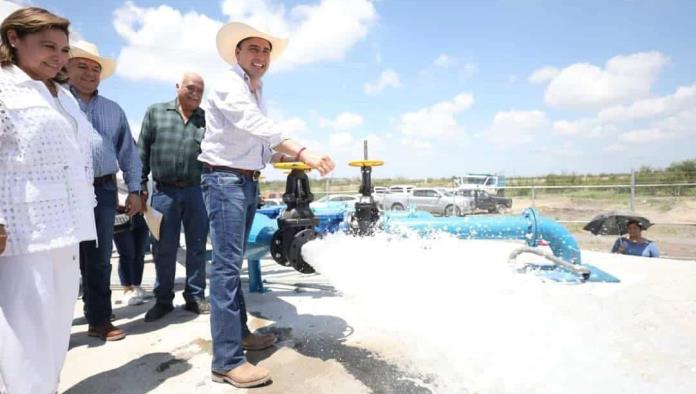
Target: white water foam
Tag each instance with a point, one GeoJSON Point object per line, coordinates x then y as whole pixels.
{"type": "Point", "coordinates": [457, 310]}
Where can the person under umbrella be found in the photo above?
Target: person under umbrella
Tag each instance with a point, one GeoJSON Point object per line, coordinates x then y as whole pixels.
{"type": "Point", "coordinates": [635, 244]}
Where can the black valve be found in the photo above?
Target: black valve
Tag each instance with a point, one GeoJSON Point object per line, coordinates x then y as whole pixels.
{"type": "Point", "coordinates": [366, 215]}
{"type": "Point", "coordinates": [296, 225]}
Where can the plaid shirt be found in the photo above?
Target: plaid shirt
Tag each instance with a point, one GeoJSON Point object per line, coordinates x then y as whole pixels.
{"type": "Point", "coordinates": [168, 146]}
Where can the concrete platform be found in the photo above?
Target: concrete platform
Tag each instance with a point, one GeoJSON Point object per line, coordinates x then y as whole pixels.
{"type": "Point", "coordinates": [420, 316]}
{"type": "Point", "coordinates": [317, 352]}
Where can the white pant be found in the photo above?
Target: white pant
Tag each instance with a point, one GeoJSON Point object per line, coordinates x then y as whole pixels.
{"type": "Point", "coordinates": [37, 299]}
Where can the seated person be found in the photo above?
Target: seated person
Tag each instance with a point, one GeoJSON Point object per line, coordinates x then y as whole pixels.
{"type": "Point", "coordinates": [635, 244]}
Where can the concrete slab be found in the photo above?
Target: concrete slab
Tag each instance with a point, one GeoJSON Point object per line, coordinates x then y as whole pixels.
{"type": "Point", "coordinates": [320, 349]}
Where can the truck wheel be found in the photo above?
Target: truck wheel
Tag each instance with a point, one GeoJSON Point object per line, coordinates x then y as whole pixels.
{"type": "Point", "coordinates": [451, 210]}
{"type": "Point", "coordinates": [500, 208]}
{"type": "Point", "coordinates": [397, 207]}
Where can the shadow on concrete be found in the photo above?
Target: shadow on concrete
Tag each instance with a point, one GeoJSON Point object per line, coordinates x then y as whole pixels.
{"type": "Point", "coordinates": [135, 327]}
{"type": "Point", "coordinates": [137, 376]}
{"type": "Point", "coordinates": [324, 337]}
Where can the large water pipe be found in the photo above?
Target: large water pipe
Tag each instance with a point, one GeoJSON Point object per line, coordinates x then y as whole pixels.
{"type": "Point", "coordinates": [529, 227]}
{"type": "Point", "coordinates": [265, 225]}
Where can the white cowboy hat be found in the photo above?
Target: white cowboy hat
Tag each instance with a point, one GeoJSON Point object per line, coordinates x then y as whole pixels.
{"type": "Point", "coordinates": [232, 33]}
{"type": "Point", "coordinates": [87, 50]}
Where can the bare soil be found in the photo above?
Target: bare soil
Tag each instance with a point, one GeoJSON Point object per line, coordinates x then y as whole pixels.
{"type": "Point", "coordinates": [674, 230]}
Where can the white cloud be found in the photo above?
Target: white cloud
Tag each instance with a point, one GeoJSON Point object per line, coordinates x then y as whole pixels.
{"type": "Point", "coordinates": [517, 127]}
{"type": "Point", "coordinates": [564, 127]}
{"type": "Point", "coordinates": [340, 140]}
{"type": "Point", "coordinates": [462, 71]}
{"type": "Point", "coordinates": [417, 144]}
{"type": "Point", "coordinates": [681, 124]}
{"type": "Point", "coordinates": [8, 7]}
{"type": "Point", "coordinates": [585, 127]}
{"type": "Point", "coordinates": [320, 32]}
{"type": "Point", "coordinates": [616, 148]}
{"type": "Point", "coordinates": [443, 61]}
{"type": "Point", "coordinates": [544, 74]}
{"type": "Point", "coordinates": [344, 121]}
{"type": "Point", "coordinates": [436, 120]}
{"type": "Point", "coordinates": [584, 86]}
{"type": "Point", "coordinates": [683, 98]}
{"type": "Point", "coordinates": [163, 42]}
{"type": "Point", "coordinates": [375, 147]}
{"type": "Point", "coordinates": [292, 126]}
{"type": "Point", "coordinates": [135, 127]}
{"type": "Point", "coordinates": [388, 78]}
{"type": "Point", "coordinates": [644, 136]}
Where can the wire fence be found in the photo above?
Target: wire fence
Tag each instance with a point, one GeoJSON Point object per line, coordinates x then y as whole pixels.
{"type": "Point", "coordinates": [670, 206]}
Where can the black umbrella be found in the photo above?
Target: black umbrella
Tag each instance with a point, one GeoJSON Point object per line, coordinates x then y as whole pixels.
{"type": "Point", "coordinates": [614, 223]}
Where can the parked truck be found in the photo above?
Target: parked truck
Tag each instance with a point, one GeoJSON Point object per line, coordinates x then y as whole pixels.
{"type": "Point", "coordinates": [434, 200]}
{"type": "Point", "coordinates": [482, 200]}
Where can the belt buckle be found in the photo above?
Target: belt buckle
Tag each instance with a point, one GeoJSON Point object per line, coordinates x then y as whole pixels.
{"type": "Point", "coordinates": [256, 175]}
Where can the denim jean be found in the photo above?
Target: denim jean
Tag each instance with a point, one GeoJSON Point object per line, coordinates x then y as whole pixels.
{"type": "Point", "coordinates": [180, 205]}
{"type": "Point", "coordinates": [131, 246]}
{"type": "Point", "coordinates": [95, 258]}
{"type": "Point", "coordinates": [231, 202]}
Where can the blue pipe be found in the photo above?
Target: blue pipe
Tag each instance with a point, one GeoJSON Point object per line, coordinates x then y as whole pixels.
{"type": "Point", "coordinates": [262, 230]}
{"type": "Point", "coordinates": [529, 227]}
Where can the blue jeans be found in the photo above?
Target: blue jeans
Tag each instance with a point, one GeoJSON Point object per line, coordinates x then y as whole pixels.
{"type": "Point", "coordinates": [95, 262]}
{"type": "Point", "coordinates": [131, 246]}
{"type": "Point", "coordinates": [231, 202]}
{"type": "Point", "coordinates": [180, 205]}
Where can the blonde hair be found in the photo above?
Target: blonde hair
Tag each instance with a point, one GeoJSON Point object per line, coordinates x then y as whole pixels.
{"type": "Point", "coordinates": [25, 21]}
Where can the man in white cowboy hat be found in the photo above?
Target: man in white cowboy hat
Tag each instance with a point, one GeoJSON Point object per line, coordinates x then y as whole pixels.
{"type": "Point", "coordinates": [113, 148]}
{"type": "Point", "coordinates": [240, 139]}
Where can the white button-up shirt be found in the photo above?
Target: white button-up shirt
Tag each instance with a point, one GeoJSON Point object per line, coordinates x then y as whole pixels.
{"type": "Point", "coordinates": [238, 132]}
{"type": "Point", "coordinates": [46, 192]}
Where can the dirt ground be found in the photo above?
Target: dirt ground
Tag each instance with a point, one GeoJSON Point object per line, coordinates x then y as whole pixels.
{"type": "Point", "coordinates": [674, 230]}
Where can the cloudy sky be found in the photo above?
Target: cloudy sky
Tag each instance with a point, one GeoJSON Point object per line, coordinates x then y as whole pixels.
{"type": "Point", "coordinates": [437, 87]}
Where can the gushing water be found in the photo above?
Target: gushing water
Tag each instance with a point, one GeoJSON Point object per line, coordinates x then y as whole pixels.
{"type": "Point", "coordinates": [462, 313]}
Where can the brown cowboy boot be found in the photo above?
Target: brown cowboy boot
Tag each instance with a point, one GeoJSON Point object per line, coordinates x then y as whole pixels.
{"type": "Point", "coordinates": [243, 376]}
{"type": "Point", "coordinates": [106, 331]}
{"type": "Point", "coordinates": [258, 342]}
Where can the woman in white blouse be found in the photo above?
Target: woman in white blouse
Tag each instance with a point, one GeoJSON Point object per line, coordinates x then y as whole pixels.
{"type": "Point", "coordinates": [46, 201]}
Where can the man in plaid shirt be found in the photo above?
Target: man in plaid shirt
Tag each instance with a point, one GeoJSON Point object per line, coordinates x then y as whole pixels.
{"type": "Point", "coordinates": [169, 144]}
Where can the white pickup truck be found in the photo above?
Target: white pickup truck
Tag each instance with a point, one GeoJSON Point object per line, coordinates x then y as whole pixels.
{"type": "Point", "coordinates": [439, 201]}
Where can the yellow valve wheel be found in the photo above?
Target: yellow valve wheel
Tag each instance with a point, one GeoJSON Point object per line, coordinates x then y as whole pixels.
{"type": "Point", "coordinates": [293, 165]}
{"type": "Point", "coordinates": [366, 163]}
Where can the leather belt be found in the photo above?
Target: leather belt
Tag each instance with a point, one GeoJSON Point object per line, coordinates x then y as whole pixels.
{"type": "Point", "coordinates": [100, 180]}
{"type": "Point", "coordinates": [253, 174]}
{"type": "Point", "coordinates": [176, 184]}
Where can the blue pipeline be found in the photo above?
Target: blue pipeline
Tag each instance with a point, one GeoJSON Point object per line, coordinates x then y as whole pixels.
{"type": "Point", "coordinates": [265, 225]}
{"type": "Point", "coordinates": [529, 227]}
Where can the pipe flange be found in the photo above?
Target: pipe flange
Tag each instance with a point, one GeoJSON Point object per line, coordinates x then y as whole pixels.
{"type": "Point", "coordinates": [295, 250]}
{"type": "Point", "coordinates": [533, 233]}
{"type": "Point", "coordinates": [277, 249]}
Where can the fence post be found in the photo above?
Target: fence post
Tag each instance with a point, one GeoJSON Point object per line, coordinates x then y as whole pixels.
{"type": "Point", "coordinates": [533, 194]}
{"type": "Point", "coordinates": [632, 203]}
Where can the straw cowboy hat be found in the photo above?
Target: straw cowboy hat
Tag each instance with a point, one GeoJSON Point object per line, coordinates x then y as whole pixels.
{"type": "Point", "coordinates": [232, 33]}
{"type": "Point", "coordinates": [87, 50]}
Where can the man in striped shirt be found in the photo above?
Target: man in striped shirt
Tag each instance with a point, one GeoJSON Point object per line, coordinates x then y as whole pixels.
{"type": "Point", "coordinates": [113, 147]}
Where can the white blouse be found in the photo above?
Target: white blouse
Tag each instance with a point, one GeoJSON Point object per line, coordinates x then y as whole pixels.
{"type": "Point", "coordinates": [46, 192]}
